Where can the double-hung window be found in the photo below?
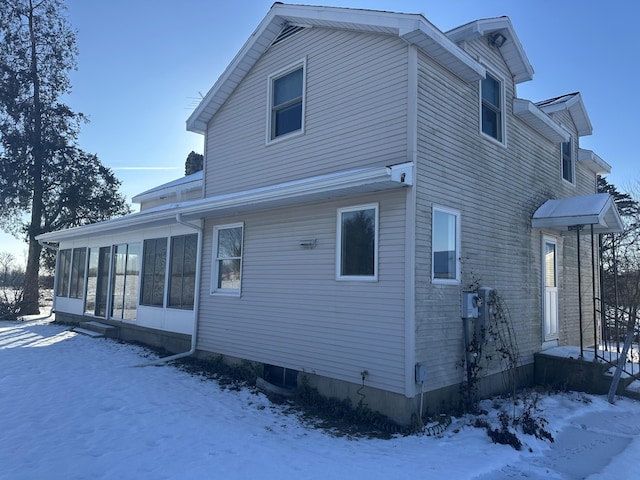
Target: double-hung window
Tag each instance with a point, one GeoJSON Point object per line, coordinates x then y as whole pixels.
{"type": "Point", "coordinates": [567, 161]}
{"type": "Point", "coordinates": [286, 102]}
{"type": "Point", "coordinates": [445, 245]}
{"type": "Point", "coordinates": [227, 259]}
{"type": "Point", "coordinates": [492, 111]}
{"type": "Point", "coordinates": [357, 243]}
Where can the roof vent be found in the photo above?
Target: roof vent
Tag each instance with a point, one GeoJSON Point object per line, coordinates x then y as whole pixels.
{"type": "Point", "coordinates": [286, 32]}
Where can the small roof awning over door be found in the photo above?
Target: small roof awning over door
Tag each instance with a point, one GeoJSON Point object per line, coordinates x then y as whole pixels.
{"type": "Point", "coordinates": [598, 210]}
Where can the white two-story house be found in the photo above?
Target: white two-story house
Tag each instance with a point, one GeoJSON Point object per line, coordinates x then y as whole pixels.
{"type": "Point", "coordinates": [362, 169]}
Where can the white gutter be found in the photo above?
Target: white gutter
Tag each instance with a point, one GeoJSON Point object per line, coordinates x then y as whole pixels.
{"type": "Point", "coordinates": [196, 301]}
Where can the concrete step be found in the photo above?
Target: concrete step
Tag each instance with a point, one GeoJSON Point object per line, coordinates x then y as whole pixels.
{"type": "Point", "coordinates": [96, 329]}
{"type": "Point", "coordinates": [88, 333]}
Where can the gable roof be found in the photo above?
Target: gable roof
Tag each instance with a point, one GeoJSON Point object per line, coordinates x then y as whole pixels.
{"type": "Point", "coordinates": [511, 51]}
{"type": "Point", "coordinates": [598, 210]}
{"type": "Point", "coordinates": [182, 184]}
{"type": "Point", "coordinates": [414, 29]}
{"type": "Point", "coordinates": [571, 102]}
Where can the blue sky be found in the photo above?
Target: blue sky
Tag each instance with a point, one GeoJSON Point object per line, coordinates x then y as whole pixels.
{"type": "Point", "coordinates": [143, 65]}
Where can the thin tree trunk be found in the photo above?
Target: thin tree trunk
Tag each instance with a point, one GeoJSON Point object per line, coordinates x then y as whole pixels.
{"type": "Point", "coordinates": [31, 281]}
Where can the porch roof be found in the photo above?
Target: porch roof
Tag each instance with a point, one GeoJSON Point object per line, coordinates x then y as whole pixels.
{"type": "Point", "coordinates": [598, 210]}
{"type": "Point", "coordinates": [311, 189]}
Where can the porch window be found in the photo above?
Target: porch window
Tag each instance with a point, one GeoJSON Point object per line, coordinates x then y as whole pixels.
{"type": "Point", "coordinates": [227, 255]}
{"type": "Point", "coordinates": [153, 272]}
{"type": "Point", "coordinates": [357, 244]}
{"type": "Point", "coordinates": [491, 108]}
{"type": "Point", "coordinates": [64, 271]}
{"type": "Point", "coordinates": [445, 246]}
{"type": "Point", "coordinates": [182, 274]}
{"type": "Point", "coordinates": [71, 268]}
{"type": "Point", "coordinates": [286, 102]}
{"type": "Point", "coordinates": [78, 266]}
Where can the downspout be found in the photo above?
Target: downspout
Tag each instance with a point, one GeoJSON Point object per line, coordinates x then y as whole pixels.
{"type": "Point", "coordinates": [55, 281]}
{"type": "Point", "coordinates": [196, 301]}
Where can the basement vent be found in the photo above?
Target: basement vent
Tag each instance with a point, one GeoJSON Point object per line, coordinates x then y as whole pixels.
{"type": "Point", "coordinates": [286, 32]}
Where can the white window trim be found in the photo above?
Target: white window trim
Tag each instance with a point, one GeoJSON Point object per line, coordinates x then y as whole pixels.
{"type": "Point", "coordinates": [274, 76]}
{"type": "Point", "coordinates": [503, 110]}
{"type": "Point", "coordinates": [214, 290]}
{"type": "Point", "coordinates": [358, 278]}
{"type": "Point", "coordinates": [458, 216]}
{"type": "Point", "coordinates": [573, 163]}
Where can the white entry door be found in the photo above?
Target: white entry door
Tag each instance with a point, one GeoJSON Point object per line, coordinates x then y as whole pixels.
{"type": "Point", "coordinates": [550, 288]}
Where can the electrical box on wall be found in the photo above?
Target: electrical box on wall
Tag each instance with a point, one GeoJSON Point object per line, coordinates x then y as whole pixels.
{"type": "Point", "coordinates": [421, 373]}
{"type": "Point", "coordinates": [469, 305]}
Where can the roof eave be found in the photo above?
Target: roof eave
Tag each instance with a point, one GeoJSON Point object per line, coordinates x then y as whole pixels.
{"type": "Point", "coordinates": [323, 187]}
{"type": "Point", "coordinates": [412, 28]}
{"type": "Point", "coordinates": [512, 50]}
{"type": "Point", "coordinates": [593, 162]}
{"type": "Point", "coordinates": [539, 121]}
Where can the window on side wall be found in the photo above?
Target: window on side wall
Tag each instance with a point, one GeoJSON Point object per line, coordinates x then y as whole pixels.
{"type": "Point", "coordinates": [492, 111]}
{"type": "Point", "coordinates": [182, 271]}
{"type": "Point", "coordinates": [227, 259]}
{"type": "Point", "coordinates": [445, 245]}
{"type": "Point", "coordinates": [286, 102]}
{"type": "Point", "coordinates": [357, 243]}
{"type": "Point", "coordinates": [567, 162]}
{"type": "Point", "coordinates": [154, 264]}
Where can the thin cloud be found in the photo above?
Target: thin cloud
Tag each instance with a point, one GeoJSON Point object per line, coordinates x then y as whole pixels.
{"type": "Point", "coordinates": [144, 168]}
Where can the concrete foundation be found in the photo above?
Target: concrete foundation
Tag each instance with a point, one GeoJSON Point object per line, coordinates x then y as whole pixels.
{"type": "Point", "coordinates": [169, 341]}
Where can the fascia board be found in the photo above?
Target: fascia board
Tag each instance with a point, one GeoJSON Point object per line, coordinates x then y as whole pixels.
{"type": "Point", "coordinates": [533, 116]}
{"type": "Point", "coordinates": [593, 162]}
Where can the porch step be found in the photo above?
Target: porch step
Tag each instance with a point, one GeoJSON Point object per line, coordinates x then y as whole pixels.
{"type": "Point", "coordinates": [633, 390]}
{"type": "Point", "coordinates": [97, 329]}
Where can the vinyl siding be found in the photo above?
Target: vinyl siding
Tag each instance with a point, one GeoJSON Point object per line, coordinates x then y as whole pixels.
{"type": "Point", "coordinates": [356, 102]}
{"type": "Point", "coordinates": [497, 189]}
{"type": "Point", "coordinates": [294, 313]}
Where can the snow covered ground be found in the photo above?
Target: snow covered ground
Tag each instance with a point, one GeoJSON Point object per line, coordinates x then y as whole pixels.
{"type": "Point", "coordinates": [73, 407]}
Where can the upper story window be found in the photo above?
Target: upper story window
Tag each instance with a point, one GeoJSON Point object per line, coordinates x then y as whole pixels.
{"type": "Point", "coordinates": [357, 243]}
{"type": "Point", "coordinates": [492, 111]}
{"type": "Point", "coordinates": [227, 259]}
{"type": "Point", "coordinates": [286, 102]}
{"type": "Point", "coordinates": [445, 245]}
{"type": "Point", "coordinates": [567, 162]}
